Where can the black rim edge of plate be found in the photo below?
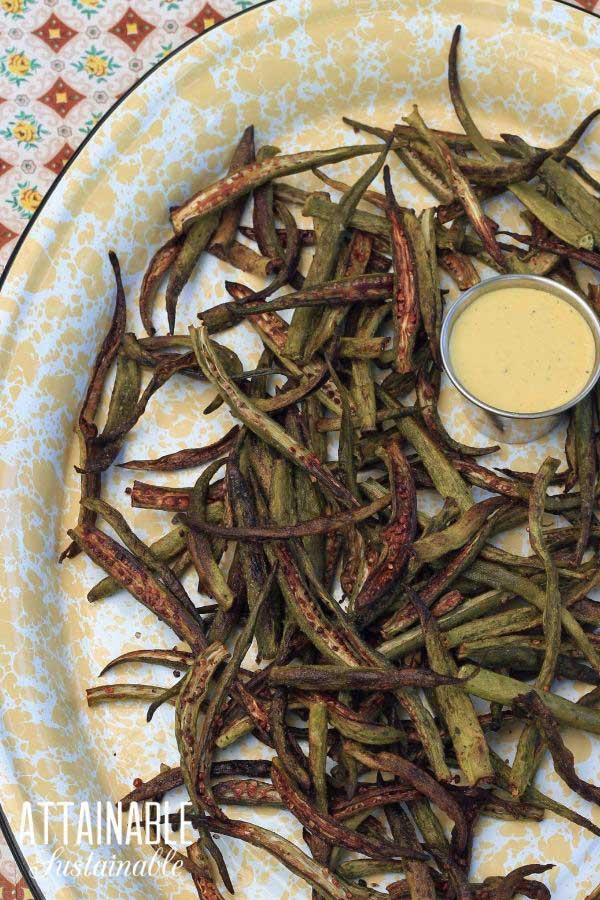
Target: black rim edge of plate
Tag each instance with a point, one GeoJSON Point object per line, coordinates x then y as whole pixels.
{"type": "Point", "coordinates": [5, 828]}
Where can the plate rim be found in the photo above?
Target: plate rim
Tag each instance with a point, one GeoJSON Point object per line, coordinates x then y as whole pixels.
{"type": "Point", "coordinates": [5, 826]}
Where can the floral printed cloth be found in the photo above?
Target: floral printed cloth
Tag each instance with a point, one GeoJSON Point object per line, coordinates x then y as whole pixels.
{"type": "Point", "coordinates": [62, 64]}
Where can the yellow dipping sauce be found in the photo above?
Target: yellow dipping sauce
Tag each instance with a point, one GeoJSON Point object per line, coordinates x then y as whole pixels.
{"type": "Point", "coordinates": [522, 349]}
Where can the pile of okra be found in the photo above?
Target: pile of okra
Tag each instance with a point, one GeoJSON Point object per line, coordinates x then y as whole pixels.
{"type": "Point", "coordinates": [377, 629]}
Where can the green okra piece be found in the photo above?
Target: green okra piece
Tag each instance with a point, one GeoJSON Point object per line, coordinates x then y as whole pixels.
{"type": "Point", "coordinates": [517, 490]}
{"type": "Point", "coordinates": [353, 869]}
{"type": "Point", "coordinates": [136, 577]}
{"type": "Point", "coordinates": [428, 390]}
{"type": "Point", "coordinates": [242, 257]}
{"type": "Point", "coordinates": [320, 207]}
{"type": "Point", "coordinates": [223, 242]}
{"type": "Point", "coordinates": [439, 521]}
{"type": "Point", "coordinates": [196, 240]}
{"type": "Point", "coordinates": [224, 620]}
{"type": "Point", "coordinates": [144, 554]}
{"type": "Point", "coordinates": [168, 694]}
{"type": "Point", "coordinates": [583, 173]}
{"type": "Point", "coordinates": [579, 229]}
{"type": "Point", "coordinates": [464, 623]}
{"type": "Point", "coordinates": [406, 315]}
{"type": "Point", "coordinates": [460, 186]}
{"type": "Point", "coordinates": [571, 453]}
{"type": "Point", "coordinates": [525, 563]}
{"type": "Point", "coordinates": [488, 174]}
{"type": "Point", "coordinates": [289, 193]}
{"type": "Point", "coordinates": [582, 205]}
{"type": "Point", "coordinates": [350, 264]}
{"type": "Point", "coordinates": [586, 470]}
{"type": "Point", "coordinates": [203, 876]}
{"type": "Point", "coordinates": [511, 654]}
{"type": "Point", "coordinates": [499, 577]}
{"type": "Point", "coordinates": [417, 874]}
{"type": "Point", "coordinates": [461, 719]}
{"type": "Point", "coordinates": [435, 545]}
{"type": "Point", "coordinates": [327, 250]}
{"type": "Point", "coordinates": [330, 829]}
{"type": "Point", "coordinates": [365, 732]}
{"type": "Point", "coordinates": [340, 678]}
{"type": "Point", "coordinates": [460, 268]}
{"type": "Point", "coordinates": [317, 753]}
{"type": "Point", "coordinates": [170, 658]}
{"type": "Point", "coordinates": [524, 764]}
{"type": "Point", "coordinates": [123, 401]}
{"type": "Point", "coordinates": [398, 532]}
{"type": "Point", "coordinates": [85, 427]}
{"type": "Point", "coordinates": [362, 382]}
{"type": "Point", "coordinates": [537, 798]}
{"type": "Point", "coordinates": [288, 751]}
{"type": "Point", "coordinates": [456, 140]}
{"type": "Point", "coordinates": [500, 688]}
{"type": "Point", "coordinates": [429, 825]}
{"type": "Point", "coordinates": [222, 192]}
{"type": "Point", "coordinates": [146, 693]}
{"type": "Point", "coordinates": [314, 873]}
{"type": "Point", "coordinates": [167, 366]}
{"type": "Point", "coordinates": [192, 695]}
{"type": "Point", "coordinates": [160, 263]}
{"type": "Point", "coordinates": [334, 645]}
{"type": "Point", "coordinates": [481, 144]}
{"type": "Point", "coordinates": [262, 215]}
{"type": "Point", "coordinates": [305, 611]}
{"type": "Point", "coordinates": [333, 423]}
{"type": "Point", "coordinates": [206, 736]}
{"type": "Point", "coordinates": [313, 411]}
{"type": "Point", "coordinates": [551, 617]}
{"type": "Point", "coordinates": [282, 497]}
{"type": "Point", "coordinates": [253, 559]}
{"type": "Point", "coordinates": [335, 296]}
{"type": "Point", "coordinates": [262, 425]}
{"type": "Point", "coordinates": [428, 302]}
{"type": "Point", "coordinates": [308, 498]}
{"type": "Point", "coordinates": [424, 173]}
{"type": "Point", "coordinates": [167, 548]}
{"type": "Point", "coordinates": [347, 439]}
{"type": "Point", "coordinates": [558, 221]}
{"type": "Point", "coordinates": [419, 779]}
{"type": "Point", "coordinates": [427, 221]}
{"type": "Point", "coordinates": [309, 503]}
{"type": "Point", "coordinates": [373, 197]}
{"type": "Point", "coordinates": [211, 579]}
{"type": "Point", "coordinates": [234, 732]}
{"type": "Point", "coordinates": [502, 806]}
{"type": "Point", "coordinates": [445, 478]}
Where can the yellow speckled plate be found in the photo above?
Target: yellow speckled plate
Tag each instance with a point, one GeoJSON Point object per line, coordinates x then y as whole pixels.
{"type": "Point", "coordinates": [293, 69]}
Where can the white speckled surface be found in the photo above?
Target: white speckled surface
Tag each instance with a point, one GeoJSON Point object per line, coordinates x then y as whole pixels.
{"type": "Point", "coordinates": [293, 73]}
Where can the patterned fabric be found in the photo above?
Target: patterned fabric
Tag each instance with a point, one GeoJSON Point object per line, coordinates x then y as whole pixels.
{"type": "Point", "coordinates": [62, 64]}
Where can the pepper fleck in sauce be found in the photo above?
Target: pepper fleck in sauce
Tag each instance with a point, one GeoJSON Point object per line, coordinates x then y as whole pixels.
{"type": "Point", "coordinates": [522, 350]}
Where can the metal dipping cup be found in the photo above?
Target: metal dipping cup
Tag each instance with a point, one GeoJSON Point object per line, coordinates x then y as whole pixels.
{"type": "Point", "coordinates": [500, 424]}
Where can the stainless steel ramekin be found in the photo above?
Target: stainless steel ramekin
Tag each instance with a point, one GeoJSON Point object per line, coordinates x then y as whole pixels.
{"type": "Point", "coordinates": [499, 424]}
